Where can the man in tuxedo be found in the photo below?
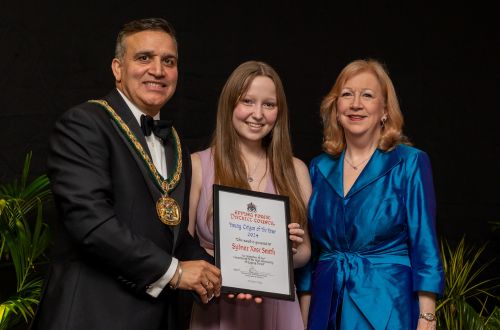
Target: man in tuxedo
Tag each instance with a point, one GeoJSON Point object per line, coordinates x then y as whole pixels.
{"type": "Point", "coordinates": [121, 180]}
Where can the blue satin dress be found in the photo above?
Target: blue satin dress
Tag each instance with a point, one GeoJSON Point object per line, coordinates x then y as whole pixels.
{"type": "Point", "coordinates": [375, 247]}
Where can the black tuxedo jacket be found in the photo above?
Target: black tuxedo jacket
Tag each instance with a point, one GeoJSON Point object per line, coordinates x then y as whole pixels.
{"type": "Point", "coordinates": [110, 244]}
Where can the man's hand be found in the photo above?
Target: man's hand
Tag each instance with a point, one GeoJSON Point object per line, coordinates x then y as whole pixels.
{"type": "Point", "coordinates": [200, 276]}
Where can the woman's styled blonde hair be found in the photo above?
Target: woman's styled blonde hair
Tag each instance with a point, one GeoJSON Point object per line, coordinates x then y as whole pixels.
{"type": "Point", "coordinates": [229, 165]}
{"type": "Point", "coordinates": [392, 128]}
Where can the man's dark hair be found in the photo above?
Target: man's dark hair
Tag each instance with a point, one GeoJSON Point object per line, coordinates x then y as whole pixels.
{"type": "Point", "coordinates": [158, 24]}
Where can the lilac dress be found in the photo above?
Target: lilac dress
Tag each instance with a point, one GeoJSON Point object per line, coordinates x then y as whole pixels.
{"type": "Point", "coordinates": [229, 314]}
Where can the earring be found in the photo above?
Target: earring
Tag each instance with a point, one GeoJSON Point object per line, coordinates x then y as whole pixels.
{"type": "Point", "coordinates": [382, 122]}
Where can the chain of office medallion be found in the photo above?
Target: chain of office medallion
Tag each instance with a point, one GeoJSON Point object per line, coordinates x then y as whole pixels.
{"type": "Point", "coordinates": [165, 185]}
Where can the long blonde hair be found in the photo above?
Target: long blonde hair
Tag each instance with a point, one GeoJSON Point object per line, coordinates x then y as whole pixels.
{"type": "Point", "coordinates": [228, 162]}
{"type": "Point", "coordinates": [392, 130]}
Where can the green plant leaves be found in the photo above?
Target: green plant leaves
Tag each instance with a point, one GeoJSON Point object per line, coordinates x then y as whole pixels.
{"type": "Point", "coordinates": [24, 238]}
{"type": "Point", "coordinates": [22, 305]}
{"type": "Point", "coordinates": [463, 271]}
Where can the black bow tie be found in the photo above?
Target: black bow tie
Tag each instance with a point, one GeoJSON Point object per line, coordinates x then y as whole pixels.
{"type": "Point", "coordinates": [160, 128]}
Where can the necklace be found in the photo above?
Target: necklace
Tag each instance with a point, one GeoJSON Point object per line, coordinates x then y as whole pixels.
{"type": "Point", "coordinates": [355, 167]}
{"type": "Point", "coordinates": [250, 177]}
{"type": "Point", "coordinates": [167, 208]}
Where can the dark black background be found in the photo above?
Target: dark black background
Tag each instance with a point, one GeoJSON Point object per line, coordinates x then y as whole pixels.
{"type": "Point", "coordinates": [443, 59]}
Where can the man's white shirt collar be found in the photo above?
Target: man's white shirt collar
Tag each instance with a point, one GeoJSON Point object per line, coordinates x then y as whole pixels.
{"type": "Point", "coordinates": [135, 110]}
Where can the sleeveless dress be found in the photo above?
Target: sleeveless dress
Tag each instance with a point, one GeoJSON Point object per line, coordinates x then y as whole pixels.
{"type": "Point", "coordinates": [230, 314]}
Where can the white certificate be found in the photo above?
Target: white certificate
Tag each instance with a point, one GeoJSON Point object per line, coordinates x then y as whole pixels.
{"type": "Point", "coordinates": [252, 248]}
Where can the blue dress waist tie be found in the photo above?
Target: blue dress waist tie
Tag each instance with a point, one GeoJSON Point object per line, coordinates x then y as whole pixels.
{"type": "Point", "coordinates": [364, 283]}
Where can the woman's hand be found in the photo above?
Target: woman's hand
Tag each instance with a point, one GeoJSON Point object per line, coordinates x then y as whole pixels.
{"type": "Point", "coordinates": [426, 325]}
{"type": "Point", "coordinates": [296, 236]}
{"type": "Point", "coordinates": [427, 305]}
{"type": "Point", "coordinates": [245, 296]}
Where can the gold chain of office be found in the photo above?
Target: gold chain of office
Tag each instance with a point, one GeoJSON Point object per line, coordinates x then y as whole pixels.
{"type": "Point", "coordinates": [167, 208]}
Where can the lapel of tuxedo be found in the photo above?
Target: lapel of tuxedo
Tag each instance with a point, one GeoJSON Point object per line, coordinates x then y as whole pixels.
{"type": "Point", "coordinates": [118, 104]}
{"type": "Point", "coordinates": [178, 192]}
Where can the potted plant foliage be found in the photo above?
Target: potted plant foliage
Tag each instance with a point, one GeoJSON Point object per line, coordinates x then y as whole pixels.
{"type": "Point", "coordinates": [467, 293]}
{"type": "Point", "coordinates": [24, 237]}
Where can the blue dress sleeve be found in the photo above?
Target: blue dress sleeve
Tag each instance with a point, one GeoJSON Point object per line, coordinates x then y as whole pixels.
{"type": "Point", "coordinates": [303, 279]}
{"type": "Point", "coordinates": [303, 275]}
{"type": "Point", "coordinates": [421, 214]}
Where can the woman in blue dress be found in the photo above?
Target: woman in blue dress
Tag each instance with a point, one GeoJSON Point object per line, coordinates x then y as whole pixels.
{"type": "Point", "coordinates": [371, 213]}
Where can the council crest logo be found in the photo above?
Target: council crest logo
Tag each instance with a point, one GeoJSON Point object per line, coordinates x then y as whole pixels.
{"type": "Point", "coordinates": [251, 207]}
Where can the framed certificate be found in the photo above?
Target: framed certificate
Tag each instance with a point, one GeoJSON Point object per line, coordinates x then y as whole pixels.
{"type": "Point", "coordinates": [252, 247]}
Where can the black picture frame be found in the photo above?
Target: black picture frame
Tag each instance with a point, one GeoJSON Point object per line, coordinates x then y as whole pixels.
{"type": "Point", "coordinates": [253, 264]}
